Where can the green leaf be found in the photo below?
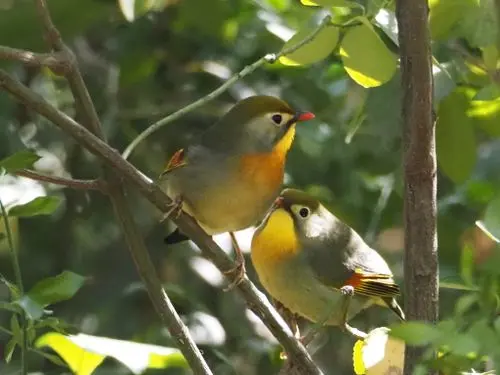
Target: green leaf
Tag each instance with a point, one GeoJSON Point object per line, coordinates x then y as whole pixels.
{"type": "Point", "coordinates": [20, 160]}
{"type": "Point", "coordinates": [487, 93]}
{"type": "Point", "coordinates": [32, 308]}
{"type": "Point", "coordinates": [84, 353]}
{"type": "Point", "coordinates": [366, 58]}
{"type": "Point", "coordinates": [415, 333]}
{"type": "Point", "coordinates": [38, 206]}
{"type": "Point", "coordinates": [492, 217]}
{"type": "Point", "coordinates": [479, 25]}
{"type": "Point", "coordinates": [486, 115]}
{"type": "Point", "coordinates": [9, 349]}
{"type": "Point", "coordinates": [464, 303]}
{"type": "Point", "coordinates": [467, 263]}
{"type": "Point", "coordinates": [9, 306]}
{"type": "Point", "coordinates": [280, 5]}
{"type": "Point", "coordinates": [486, 231]}
{"type": "Point", "coordinates": [444, 16]}
{"type": "Point", "coordinates": [455, 137]}
{"type": "Point", "coordinates": [56, 289]}
{"type": "Point", "coordinates": [52, 358]}
{"type": "Point", "coordinates": [319, 48]}
{"type": "Point", "coordinates": [16, 329]}
{"type": "Point", "coordinates": [490, 56]}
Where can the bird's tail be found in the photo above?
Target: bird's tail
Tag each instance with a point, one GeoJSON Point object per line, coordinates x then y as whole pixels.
{"type": "Point", "coordinates": [175, 237]}
{"type": "Point", "coordinates": [394, 306]}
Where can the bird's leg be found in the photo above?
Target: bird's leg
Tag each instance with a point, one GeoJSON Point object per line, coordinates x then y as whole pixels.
{"type": "Point", "coordinates": [239, 269]}
{"type": "Point", "coordinates": [290, 319]}
{"type": "Point", "coordinates": [175, 208]}
{"type": "Point", "coordinates": [348, 292]}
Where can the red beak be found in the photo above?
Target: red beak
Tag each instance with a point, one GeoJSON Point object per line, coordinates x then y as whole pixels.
{"type": "Point", "coordinates": [304, 116]}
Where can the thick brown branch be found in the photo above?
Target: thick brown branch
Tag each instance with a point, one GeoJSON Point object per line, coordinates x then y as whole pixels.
{"type": "Point", "coordinates": [68, 182]}
{"type": "Point", "coordinates": [133, 237]}
{"type": "Point", "coordinates": [421, 263]}
{"type": "Point", "coordinates": [260, 306]}
{"type": "Point", "coordinates": [55, 61]}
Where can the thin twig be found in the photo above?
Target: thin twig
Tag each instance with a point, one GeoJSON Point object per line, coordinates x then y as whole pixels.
{"type": "Point", "coordinates": [133, 237]}
{"type": "Point", "coordinates": [68, 182]}
{"type": "Point", "coordinates": [55, 61]}
{"type": "Point", "coordinates": [19, 282]}
{"type": "Point", "coordinates": [269, 58]}
{"type": "Point", "coordinates": [152, 192]}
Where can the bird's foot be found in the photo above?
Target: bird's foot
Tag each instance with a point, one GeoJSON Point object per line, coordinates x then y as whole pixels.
{"type": "Point", "coordinates": [174, 209]}
{"type": "Point", "coordinates": [238, 271]}
{"type": "Point", "coordinates": [354, 331]}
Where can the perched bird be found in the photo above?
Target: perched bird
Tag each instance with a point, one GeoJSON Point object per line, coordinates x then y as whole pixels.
{"type": "Point", "coordinates": [230, 177]}
{"type": "Point", "coordinates": [306, 258]}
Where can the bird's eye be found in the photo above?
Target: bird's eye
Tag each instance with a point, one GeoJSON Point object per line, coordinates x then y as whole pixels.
{"type": "Point", "coordinates": [304, 212]}
{"type": "Point", "coordinates": [277, 118]}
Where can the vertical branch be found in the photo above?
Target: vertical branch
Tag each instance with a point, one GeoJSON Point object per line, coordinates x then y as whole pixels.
{"type": "Point", "coordinates": [86, 110]}
{"type": "Point", "coordinates": [421, 263]}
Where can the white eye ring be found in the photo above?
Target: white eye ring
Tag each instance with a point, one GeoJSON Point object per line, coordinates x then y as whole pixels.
{"type": "Point", "coordinates": [301, 212]}
{"type": "Point", "coordinates": [277, 118]}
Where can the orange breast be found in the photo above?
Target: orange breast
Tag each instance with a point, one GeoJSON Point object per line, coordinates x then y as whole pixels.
{"type": "Point", "coordinates": [266, 169]}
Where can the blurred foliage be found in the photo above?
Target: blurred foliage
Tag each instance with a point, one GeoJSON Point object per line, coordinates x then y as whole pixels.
{"type": "Point", "coordinates": [144, 59]}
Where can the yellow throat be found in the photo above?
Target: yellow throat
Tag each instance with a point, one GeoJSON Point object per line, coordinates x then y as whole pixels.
{"type": "Point", "coordinates": [275, 242]}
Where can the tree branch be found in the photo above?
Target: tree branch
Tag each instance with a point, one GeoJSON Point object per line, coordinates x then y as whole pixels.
{"type": "Point", "coordinates": [269, 58]}
{"type": "Point", "coordinates": [54, 61]}
{"type": "Point", "coordinates": [421, 262]}
{"type": "Point", "coordinates": [68, 182]}
{"type": "Point", "coordinates": [152, 192]}
{"type": "Point", "coordinates": [133, 238]}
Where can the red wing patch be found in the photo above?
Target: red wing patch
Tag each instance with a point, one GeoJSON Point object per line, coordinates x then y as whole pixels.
{"type": "Point", "coordinates": [176, 161]}
{"type": "Point", "coordinates": [373, 285]}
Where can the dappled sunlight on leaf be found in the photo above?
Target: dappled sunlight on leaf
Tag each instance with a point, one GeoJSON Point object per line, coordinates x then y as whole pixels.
{"type": "Point", "coordinates": [84, 353]}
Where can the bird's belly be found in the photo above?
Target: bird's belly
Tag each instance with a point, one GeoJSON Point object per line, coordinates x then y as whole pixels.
{"type": "Point", "coordinates": [303, 294]}
{"type": "Point", "coordinates": [220, 204]}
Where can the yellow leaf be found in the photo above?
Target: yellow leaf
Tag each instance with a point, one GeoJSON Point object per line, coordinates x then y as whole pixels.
{"type": "Point", "coordinates": [315, 50]}
{"type": "Point", "coordinates": [366, 58]}
{"type": "Point", "coordinates": [378, 354]}
{"type": "Point", "coordinates": [80, 361]}
{"type": "Point", "coordinates": [325, 3]}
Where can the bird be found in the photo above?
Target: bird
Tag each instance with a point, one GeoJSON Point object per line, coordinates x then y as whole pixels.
{"type": "Point", "coordinates": [308, 260]}
{"type": "Point", "coordinates": [228, 179]}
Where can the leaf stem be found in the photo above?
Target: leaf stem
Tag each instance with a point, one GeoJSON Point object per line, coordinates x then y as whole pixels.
{"type": "Point", "coordinates": [269, 58]}
{"type": "Point", "coordinates": [19, 281]}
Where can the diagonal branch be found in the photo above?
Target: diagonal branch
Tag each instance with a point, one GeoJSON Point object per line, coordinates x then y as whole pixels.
{"type": "Point", "coordinates": [86, 110]}
{"type": "Point", "coordinates": [259, 305]}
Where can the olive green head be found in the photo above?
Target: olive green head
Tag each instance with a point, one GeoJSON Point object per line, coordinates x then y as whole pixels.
{"type": "Point", "coordinates": [255, 124]}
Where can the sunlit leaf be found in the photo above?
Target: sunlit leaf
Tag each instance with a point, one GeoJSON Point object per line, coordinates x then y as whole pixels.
{"type": "Point", "coordinates": [455, 137]}
{"type": "Point", "coordinates": [38, 206]}
{"type": "Point", "coordinates": [319, 48]}
{"type": "Point", "coordinates": [80, 361]}
{"type": "Point", "coordinates": [486, 231]}
{"type": "Point", "coordinates": [325, 3]}
{"type": "Point", "coordinates": [366, 58]}
{"type": "Point", "coordinates": [83, 353]}
{"type": "Point", "coordinates": [20, 160]}
{"type": "Point", "coordinates": [486, 115]}
{"type": "Point", "coordinates": [479, 25]}
{"type": "Point", "coordinates": [56, 289]}
{"type": "Point", "coordinates": [378, 353]}
{"type": "Point", "coordinates": [280, 5]}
